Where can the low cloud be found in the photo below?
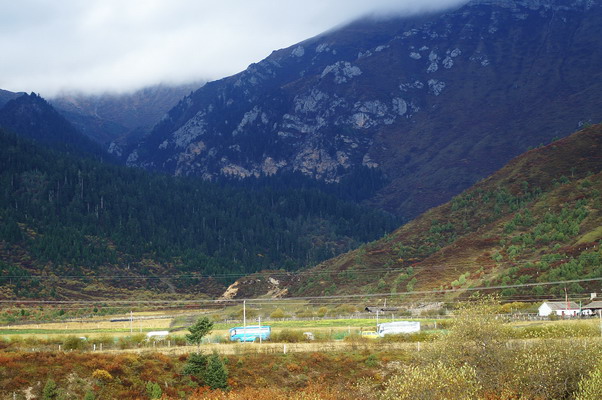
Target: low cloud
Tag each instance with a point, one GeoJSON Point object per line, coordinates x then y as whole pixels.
{"type": "Point", "coordinates": [121, 45]}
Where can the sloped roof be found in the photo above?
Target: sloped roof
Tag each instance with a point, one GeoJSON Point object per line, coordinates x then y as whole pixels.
{"type": "Point", "coordinates": [561, 305]}
{"type": "Point", "coordinates": [594, 304]}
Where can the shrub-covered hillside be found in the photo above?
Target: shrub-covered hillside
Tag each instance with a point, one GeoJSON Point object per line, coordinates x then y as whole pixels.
{"type": "Point", "coordinates": [537, 220]}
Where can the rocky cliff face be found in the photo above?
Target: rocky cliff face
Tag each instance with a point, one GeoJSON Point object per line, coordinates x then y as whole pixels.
{"type": "Point", "coordinates": [436, 102]}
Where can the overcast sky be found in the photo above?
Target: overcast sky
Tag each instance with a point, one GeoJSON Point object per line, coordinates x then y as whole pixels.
{"type": "Point", "coordinates": [48, 46]}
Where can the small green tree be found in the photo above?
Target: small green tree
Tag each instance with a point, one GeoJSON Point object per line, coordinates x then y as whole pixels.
{"type": "Point", "coordinates": [50, 391]}
{"type": "Point", "coordinates": [153, 390]}
{"type": "Point", "coordinates": [216, 374]}
{"type": "Point", "coordinates": [198, 330]}
{"type": "Point", "coordinates": [89, 395]}
{"type": "Point", "coordinates": [196, 364]}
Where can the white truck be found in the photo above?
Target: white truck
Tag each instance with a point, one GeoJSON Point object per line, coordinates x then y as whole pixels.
{"type": "Point", "coordinates": [397, 327]}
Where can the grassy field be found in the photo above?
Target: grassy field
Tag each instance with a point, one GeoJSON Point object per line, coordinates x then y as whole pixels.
{"type": "Point", "coordinates": [93, 329]}
{"type": "Point", "coordinates": [324, 329]}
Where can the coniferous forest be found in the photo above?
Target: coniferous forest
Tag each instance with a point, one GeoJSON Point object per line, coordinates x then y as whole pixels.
{"type": "Point", "coordinates": [80, 217]}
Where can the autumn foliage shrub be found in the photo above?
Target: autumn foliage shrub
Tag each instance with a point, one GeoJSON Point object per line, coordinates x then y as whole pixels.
{"type": "Point", "coordinates": [288, 336]}
{"type": "Point", "coordinates": [590, 386]}
{"type": "Point", "coordinates": [559, 330]}
{"type": "Point", "coordinates": [313, 391]}
{"type": "Point", "coordinates": [476, 338]}
{"type": "Point", "coordinates": [550, 369]}
{"type": "Point", "coordinates": [433, 382]}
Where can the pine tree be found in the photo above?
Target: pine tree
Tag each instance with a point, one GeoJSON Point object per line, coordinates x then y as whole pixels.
{"type": "Point", "coordinates": [196, 364]}
{"type": "Point", "coordinates": [200, 329]}
{"type": "Point", "coordinates": [50, 391]}
{"type": "Point", "coordinates": [216, 374]}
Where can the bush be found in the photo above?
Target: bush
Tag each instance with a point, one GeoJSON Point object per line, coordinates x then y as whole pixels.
{"type": "Point", "coordinates": [277, 314]}
{"type": "Point", "coordinates": [128, 342]}
{"type": "Point", "coordinates": [590, 387]}
{"type": "Point", "coordinates": [50, 391]}
{"type": "Point", "coordinates": [559, 330]}
{"type": "Point", "coordinates": [551, 369]}
{"type": "Point", "coordinates": [477, 338]}
{"type": "Point", "coordinates": [153, 390]}
{"type": "Point", "coordinates": [102, 376]}
{"type": "Point", "coordinates": [344, 309]}
{"type": "Point", "coordinates": [105, 340]}
{"type": "Point", "coordinates": [288, 336]}
{"type": "Point", "coordinates": [436, 382]}
{"type": "Point", "coordinates": [74, 343]}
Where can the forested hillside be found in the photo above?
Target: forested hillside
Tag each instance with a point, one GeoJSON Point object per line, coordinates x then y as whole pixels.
{"type": "Point", "coordinates": [537, 220]}
{"type": "Point", "coordinates": [86, 227]}
{"type": "Point", "coordinates": [30, 116]}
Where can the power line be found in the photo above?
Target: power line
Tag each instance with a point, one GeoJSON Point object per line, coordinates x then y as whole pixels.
{"type": "Point", "coordinates": [330, 297]}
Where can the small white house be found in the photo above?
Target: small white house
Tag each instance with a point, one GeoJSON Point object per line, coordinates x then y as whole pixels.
{"type": "Point", "coordinates": [560, 308]}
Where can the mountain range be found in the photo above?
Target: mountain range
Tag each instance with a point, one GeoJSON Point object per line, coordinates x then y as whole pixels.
{"type": "Point", "coordinates": [434, 102]}
{"type": "Point", "coordinates": [120, 118]}
{"type": "Point", "coordinates": [398, 114]}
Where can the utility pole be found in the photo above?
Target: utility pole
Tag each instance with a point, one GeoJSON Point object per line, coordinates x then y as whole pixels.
{"type": "Point", "coordinates": [244, 319]}
{"type": "Point", "coordinates": [131, 322]}
{"type": "Point", "coordinates": [566, 298]}
{"type": "Point", "coordinates": [259, 320]}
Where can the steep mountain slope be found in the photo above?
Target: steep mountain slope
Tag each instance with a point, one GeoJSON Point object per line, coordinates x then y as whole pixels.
{"type": "Point", "coordinates": [77, 228]}
{"type": "Point", "coordinates": [32, 117]}
{"type": "Point", "coordinates": [108, 117]}
{"type": "Point", "coordinates": [434, 102]}
{"type": "Point", "coordinates": [536, 220]}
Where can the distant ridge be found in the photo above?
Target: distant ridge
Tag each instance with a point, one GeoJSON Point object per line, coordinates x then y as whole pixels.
{"type": "Point", "coordinates": [32, 117]}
